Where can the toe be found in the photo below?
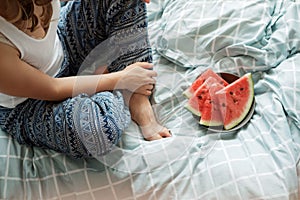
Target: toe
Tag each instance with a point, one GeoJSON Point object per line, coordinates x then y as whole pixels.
{"type": "Point", "coordinates": [154, 137]}
{"type": "Point", "coordinates": [165, 133]}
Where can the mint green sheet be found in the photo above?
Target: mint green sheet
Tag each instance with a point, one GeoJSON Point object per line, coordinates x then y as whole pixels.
{"type": "Point", "coordinates": [259, 161]}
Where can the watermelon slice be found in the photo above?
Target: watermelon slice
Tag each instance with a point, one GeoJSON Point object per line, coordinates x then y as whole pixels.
{"type": "Point", "coordinates": [235, 100]}
{"type": "Point", "coordinates": [202, 103]}
{"type": "Point", "coordinates": [201, 79]}
{"type": "Point", "coordinates": [210, 111]}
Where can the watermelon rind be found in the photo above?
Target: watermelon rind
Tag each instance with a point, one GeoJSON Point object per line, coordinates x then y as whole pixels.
{"type": "Point", "coordinates": [187, 93]}
{"type": "Point", "coordinates": [192, 110]}
{"type": "Point", "coordinates": [210, 123]}
{"type": "Point", "coordinates": [248, 104]}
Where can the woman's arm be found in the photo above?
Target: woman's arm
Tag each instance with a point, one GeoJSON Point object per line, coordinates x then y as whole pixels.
{"type": "Point", "coordinates": [17, 78]}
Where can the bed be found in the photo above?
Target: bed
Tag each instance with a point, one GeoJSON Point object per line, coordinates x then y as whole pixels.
{"type": "Point", "coordinates": [258, 161]}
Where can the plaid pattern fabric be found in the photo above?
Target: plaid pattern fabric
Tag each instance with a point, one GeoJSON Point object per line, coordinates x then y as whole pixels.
{"type": "Point", "coordinates": [259, 161]}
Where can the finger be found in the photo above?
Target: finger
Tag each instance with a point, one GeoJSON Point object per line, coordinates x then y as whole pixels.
{"type": "Point", "coordinates": [145, 65]}
{"type": "Point", "coordinates": [149, 87]}
{"type": "Point", "coordinates": [152, 73]}
{"type": "Point", "coordinates": [147, 92]}
{"type": "Point", "coordinates": [143, 91]}
{"type": "Point", "coordinates": [150, 81]}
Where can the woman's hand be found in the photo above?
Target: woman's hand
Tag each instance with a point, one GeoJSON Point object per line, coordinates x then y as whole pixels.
{"type": "Point", "coordinates": [138, 78]}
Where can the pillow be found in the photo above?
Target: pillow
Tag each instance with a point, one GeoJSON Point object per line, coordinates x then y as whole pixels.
{"type": "Point", "coordinates": [217, 32]}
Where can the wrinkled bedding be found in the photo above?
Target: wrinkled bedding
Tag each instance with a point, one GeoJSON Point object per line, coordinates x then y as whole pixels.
{"type": "Point", "coordinates": [259, 161]}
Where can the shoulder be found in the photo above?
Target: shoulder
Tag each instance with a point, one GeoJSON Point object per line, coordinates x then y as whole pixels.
{"type": "Point", "coordinates": [7, 47]}
{"type": "Point", "coordinates": [4, 40]}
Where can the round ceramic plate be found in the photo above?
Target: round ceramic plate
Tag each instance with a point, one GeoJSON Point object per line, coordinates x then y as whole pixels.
{"type": "Point", "coordinates": [220, 129]}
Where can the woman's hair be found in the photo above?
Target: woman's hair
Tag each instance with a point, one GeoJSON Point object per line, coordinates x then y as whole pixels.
{"type": "Point", "coordinates": [16, 11]}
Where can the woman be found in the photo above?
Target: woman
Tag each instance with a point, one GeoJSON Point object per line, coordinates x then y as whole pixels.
{"type": "Point", "coordinates": [42, 100]}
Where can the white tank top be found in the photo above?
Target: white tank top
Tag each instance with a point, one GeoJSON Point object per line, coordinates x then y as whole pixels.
{"type": "Point", "coordinates": [45, 54]}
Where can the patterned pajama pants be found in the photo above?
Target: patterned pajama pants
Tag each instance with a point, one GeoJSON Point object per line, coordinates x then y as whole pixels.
{"type": "Point", "coordinates": [84, 126]}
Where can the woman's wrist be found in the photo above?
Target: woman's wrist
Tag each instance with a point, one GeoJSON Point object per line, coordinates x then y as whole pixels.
{"type": "Point", "coordinates": [110, 81]}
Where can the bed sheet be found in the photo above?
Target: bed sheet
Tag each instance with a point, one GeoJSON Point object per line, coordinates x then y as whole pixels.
{"type": "Point", "coordinates": [259, 161]}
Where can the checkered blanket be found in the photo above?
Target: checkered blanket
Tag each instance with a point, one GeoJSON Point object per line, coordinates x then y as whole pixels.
{"type": "Point", "coordinates": [259, 161]}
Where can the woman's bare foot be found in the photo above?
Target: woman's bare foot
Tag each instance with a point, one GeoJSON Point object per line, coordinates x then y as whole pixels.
{"type": "Point", "coordinates": [142, 113]}
{"type": "Point", "coordinates": [154, 131]}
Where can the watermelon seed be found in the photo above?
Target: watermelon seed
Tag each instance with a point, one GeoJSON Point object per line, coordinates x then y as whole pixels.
{"type": "Point", "coordinates": [235, 101]}
{"type": "Point", "coordinates": [231, 93]}
{"type": "Point", "coordinates": [241, 89]}
{"type": "Point", "coordinates": [223, 105]}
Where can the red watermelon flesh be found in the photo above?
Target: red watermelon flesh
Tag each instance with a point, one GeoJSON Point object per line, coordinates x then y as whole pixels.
{"type": "Point", "coordinates": [202, 101]}
{"type": "Point", "coordinates": [201, 79]}
{"type": "Point", "coordinates": [235, 100]}
{"type": "Point", "coordinates": [211, 115]}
